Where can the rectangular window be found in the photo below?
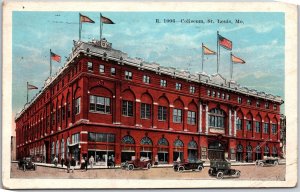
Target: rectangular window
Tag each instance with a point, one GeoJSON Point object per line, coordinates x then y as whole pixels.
{"type": "Point", "coordinates": [208, 92]}
{"type": "Point", "coordinates": [239, 124]}
{"type": "Point", "coordinates": [113, 71]}
{"type": "Point", "coordinates": [275, 107]}
{"type": "Point", "coordinates": [257, 103]}
{"type": "Point", "coordinates": [101, 68]}
{"type": "Point", "coordinates": [163, 83]}
{"type": "Point", "coordinates": [257, 127]}
{"type": "Point", "coordinates": [146, 79]}
{"type": "Point", "coordinates": [213, 93]}
{"type": "Point", "coordinates": [162, 113]}
{"type": "Point", "coordinates": [228, 97]}
{"type": "Point", "coordinates": [177, 115]}
{"type": "Point", "coordinates": [128, 75]}
{"type": "Point", "coordinates": [223, 96]}
{"type": "Point", "coordinates": [266, 127]}
{"type": "Point", "coordinates": [249, 101]}
{"type": "Point", "coordinates": [90, 66]}
{"type": "Point", "coordinates": [267, 105]}
{"type": "Point", "coordinates": [101, 137]}
{"type": "Point", "coordinates": [274, 128]}
{"type": "Point", "coordinates": [127, 108]}
{"type": "Point", "coordinates": [191, 118]}
{"type": "Point", "coordinates": [218, 95]}
{"type": "Point", "coordinates": [248, 125]}
{"type": "Point", "coordinates": [239, 99]}
{"type": "Point", "coordinates": [145, 111]}
{"type": "Point", "coordinates": [178, 86]}
{"type": "Point", "coordinates": [192, 89]}
{"type": "Point", "coordinates": [77, 106]}
{"type": "Point", "coordinates": [100, 104]}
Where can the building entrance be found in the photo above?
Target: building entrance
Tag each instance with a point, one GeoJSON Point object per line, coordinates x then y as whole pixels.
{"type": "Point", "coordinates": [216, 150]}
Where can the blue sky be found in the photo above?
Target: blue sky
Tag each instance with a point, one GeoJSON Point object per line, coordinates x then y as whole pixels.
{"type": "Point", "coordinates": [259, 41]}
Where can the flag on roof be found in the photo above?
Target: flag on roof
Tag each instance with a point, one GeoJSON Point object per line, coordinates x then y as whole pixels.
{"type": "Point", "coordinates": [207, 51]}
{"type": "Point", "coordinates": [85, 19]}
{"type": "Point", "coordinates": [235, 59]}
{"type": "Point", "coordinates": [55, 57]}
{"type": "Point", "coordinates": [106, 20]}
{"type": "Point", "coordinates": [30, 87]}
{"type": "Point", "coordinates": [226, 43]}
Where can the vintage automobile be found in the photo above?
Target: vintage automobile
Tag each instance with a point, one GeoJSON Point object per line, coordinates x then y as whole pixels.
{"type": "Point", "coordinates": [221, 168]}
{"type": "Point", "coordinates": [26, 164]}
{"type": "Point", "coordinates": [143, 163]}
{"type": "Point", "coordinates": [191, 165]}
{"type": "Point", "coordinates": [267, 161]}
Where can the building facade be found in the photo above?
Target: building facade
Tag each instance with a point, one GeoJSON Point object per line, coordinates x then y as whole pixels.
{"type": "Point", "coordinates": [105, 104]}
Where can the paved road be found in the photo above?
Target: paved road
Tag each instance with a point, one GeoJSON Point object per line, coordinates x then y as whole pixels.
{"type": "Point", "coordinates": [248, 172]}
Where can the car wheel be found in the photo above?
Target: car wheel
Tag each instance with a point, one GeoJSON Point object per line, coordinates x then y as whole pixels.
{"type": "Point", "coordinates": [200, 168]}
{"type": "Point", "coordinates": [261, 164]}
{"type": "Point", "coordinates": [180, 169]}
{"type": "Point", "coordinates": [148, 166]}
{"type": "Point", "coordinates": [130, 167]}
{"type": "Point", "coordinates": [275, 163]}
{"type": "Point", "coordinates": [220, 175]}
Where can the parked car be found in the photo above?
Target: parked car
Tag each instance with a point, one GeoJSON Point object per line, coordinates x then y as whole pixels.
{"type": "Point", "coordinates": [193, 165]}
{"type": "Point", "coordinates": [267, 161]}
{"type": "Point", "coordinates": [26, 164]}
{"type": "Point", "coordinates": [137, 164]}
{"type": "Point", "coordinates": [221, 168]}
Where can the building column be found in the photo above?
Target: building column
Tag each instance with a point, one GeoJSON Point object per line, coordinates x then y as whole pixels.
{"type": "Point", "coordinates": [137, 113]}
{"type": "Point", "coordinates": [253, 127]}
{"type": "Point", "coordinates": [117, 104]}
{"type": "Point", "coordinates": [234, 124]}
{"type": "Point", "coordinates": [200, 118]}
{"type": "Point", "coordinates": [230, 122]}
{"type": "Point", "coordinates": [206, 119]}
{"type": "Point", "coordinates": [270, 130]}
{"type": "Point", "coordinates": [262, 128]}
{"type": "Point", "coordinates": [170, 119]}
{"type": "Point", "coordinates": [184, 119]}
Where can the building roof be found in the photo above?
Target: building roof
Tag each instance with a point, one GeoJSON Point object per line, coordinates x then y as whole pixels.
{"type": "Point", "coordinates": [104, 50]}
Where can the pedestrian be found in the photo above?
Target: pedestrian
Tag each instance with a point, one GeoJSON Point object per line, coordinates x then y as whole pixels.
{"type": "Point", "coordinates": [68, 164]}
{"type": "Point", "coordinates": [85, 163]}
{"type": "Point", "coordinates": [73, 164]}
{"type": "Point", "coordinates": [62, 161]}
{"type": "Point", "coordinates": [91, 161]}
{"type": "Point", "coordinates": [55, 161]}
{"type": "Point", "coordinates": [82, 164]}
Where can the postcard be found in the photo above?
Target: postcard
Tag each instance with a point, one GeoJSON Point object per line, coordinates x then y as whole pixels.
{"type": "Point", "coordinates": [149, 95]}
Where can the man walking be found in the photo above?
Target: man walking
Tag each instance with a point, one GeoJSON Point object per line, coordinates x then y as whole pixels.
{"type": "Point", "coordinates": [73, 164]}
{"type": "Point", "coordinates": [91, 161]}
{"type": "Point", "coordinates": [85, 163]}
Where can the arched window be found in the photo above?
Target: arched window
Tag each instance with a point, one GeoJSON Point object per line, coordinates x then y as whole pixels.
{"type": "Point", "coordinates": [146, 141]}
{"type": "Point", "coordinates": [178, 143]}
{"type": "Point", "coordinates": [274, 152]}
{"type": "Point", "coordinates": [216, 118]}
{"type": "Point", "coordinates": [163, 142]}
{"type": "Point", "coordinates": [257, 152]}
{"type": "Point", "coordinates": [192, 145]}
{"type": "Point", "coordinates": [128, 140]}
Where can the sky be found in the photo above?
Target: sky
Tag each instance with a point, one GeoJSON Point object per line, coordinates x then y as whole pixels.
{"type": "Point", "coordinates": [258, 39]}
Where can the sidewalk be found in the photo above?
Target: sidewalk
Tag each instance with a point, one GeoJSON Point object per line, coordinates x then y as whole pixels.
{"type": "Point", "coordinates": [206, 164]}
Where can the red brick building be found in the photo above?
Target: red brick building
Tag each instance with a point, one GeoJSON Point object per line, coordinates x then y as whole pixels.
{"type": "Point", "coordinates": [106, 104]}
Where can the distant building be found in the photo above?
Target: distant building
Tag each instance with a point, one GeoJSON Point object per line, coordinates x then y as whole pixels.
{"type": "Point", "coordinates": [106, 104]}
{"type": "Point", "coordinates": [13, 148]}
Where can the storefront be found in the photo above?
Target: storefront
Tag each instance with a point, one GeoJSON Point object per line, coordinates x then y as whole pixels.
{"type": "Point", "coordinates": [163, 151]}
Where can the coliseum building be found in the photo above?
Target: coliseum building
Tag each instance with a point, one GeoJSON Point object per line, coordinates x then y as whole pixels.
{"type": "Point", "coordinates": [106, 104]}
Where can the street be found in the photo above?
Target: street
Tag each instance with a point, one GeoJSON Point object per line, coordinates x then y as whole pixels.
{"type": "Point", "coordinates": [248, 172]}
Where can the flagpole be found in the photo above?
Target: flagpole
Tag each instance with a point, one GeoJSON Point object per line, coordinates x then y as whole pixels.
{"type": "Point", "coordinates": [50, 64]}
{"type": "Point", "coordinates": [80, 26]}
{"type": "Point", "coordinates": [231, 67]}
{"type": "Point", "coordinates": [218, 51]}
{"type": "Point", "coordinates": [27, 92]}
{"type": "Point", "coordinates": [202, 57]}
{"type": "Point", "coordinates": [101, 26]}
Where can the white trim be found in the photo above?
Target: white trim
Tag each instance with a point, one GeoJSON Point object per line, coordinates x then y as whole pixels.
{"type": "Point", "coordinates": [83, 132]}
{"type": "Point", "coordinates": [200, 118]}
{"type": "Point", "coordinates": [230, 126]}
{"type": "Point", "coordinates": [206, 117]}
{"type": "Point", "coordinates": [137, 100]}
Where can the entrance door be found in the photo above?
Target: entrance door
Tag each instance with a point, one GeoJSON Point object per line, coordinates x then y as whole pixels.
{"type": "Point", "coordinates": [216, 150]}
{"type": "Point", "coordinates": [127, 155]}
